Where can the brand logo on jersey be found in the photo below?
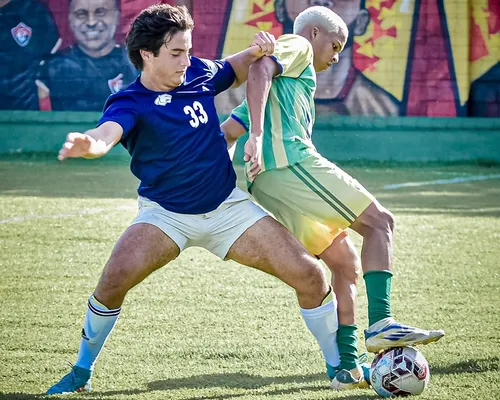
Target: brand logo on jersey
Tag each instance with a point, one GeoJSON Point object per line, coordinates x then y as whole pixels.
{"type": "Point", "coordinates": [205, 89]}
{"type": "Point", "coordinates": [163, 99]}
{"type": "Point", "coordinates": [116, 84]}
{"type": "Point", "coordinates": [21, 34]}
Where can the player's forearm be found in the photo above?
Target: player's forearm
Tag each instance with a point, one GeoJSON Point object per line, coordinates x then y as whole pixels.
{"type": "Point", "coordinates": [259, 84]}
{"type": "Point", "coordinates": [242, 61]}
{"type": "Point", "coordinates": [104, 138]}
{"type": "Point", "coordinates": [232, 130]}
{"type": "Point", "coordinates": [98, 147]}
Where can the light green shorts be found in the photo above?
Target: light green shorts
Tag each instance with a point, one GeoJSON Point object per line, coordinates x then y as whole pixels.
{"type": "Point", "coordinates": [314, 199]}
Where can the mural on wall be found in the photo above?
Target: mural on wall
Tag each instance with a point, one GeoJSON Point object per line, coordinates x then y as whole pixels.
{"type": "Point", "coordinates": [64, 54]}
{"type": "Point", "coordinates": [484, 56]}
{"type": "Point", "coordinates": [404, 57]}
{"type": "Point", "coordinates": [79, 77]}
{"type": "Point", "coordinates": [28, 35]}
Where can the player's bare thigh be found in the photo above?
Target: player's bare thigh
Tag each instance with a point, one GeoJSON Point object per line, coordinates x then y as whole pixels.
{"type": "Point", "coordinates": [142, 249]}
{"type": "Point", "coordinates": [270, 247]}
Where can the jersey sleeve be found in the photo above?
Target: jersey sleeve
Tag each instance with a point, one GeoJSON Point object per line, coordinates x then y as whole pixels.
{"type": "Point", "coordinates": [240, 114]}
{"type": "Point", "coordinates": [223, 75]}
{"type": "Point", "coordinates": [293, 54]}
{"type": "Point", "coordinates": [121, 108]}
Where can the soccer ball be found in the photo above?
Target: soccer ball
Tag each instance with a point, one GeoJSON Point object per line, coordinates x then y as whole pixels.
{"type": "Point", "coordinates": [401, 371]}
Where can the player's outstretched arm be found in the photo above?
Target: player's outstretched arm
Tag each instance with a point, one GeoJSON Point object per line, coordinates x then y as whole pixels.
{"type": "Point", "coordinates": [262, 45]}
{"type": "Point", "coordinates": [93, 143]}
{"type": "Point", "coordinates": [260, 78]}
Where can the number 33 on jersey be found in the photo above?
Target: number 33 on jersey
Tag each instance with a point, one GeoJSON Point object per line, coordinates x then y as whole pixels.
{"type": "Point", "coordinates": [197, 114]}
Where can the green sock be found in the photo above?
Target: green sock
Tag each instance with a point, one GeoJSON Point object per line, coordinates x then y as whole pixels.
{"type": "Point", "coordinates": [378, 291]}
{"type": "Point", "coordinates": [347, 341]}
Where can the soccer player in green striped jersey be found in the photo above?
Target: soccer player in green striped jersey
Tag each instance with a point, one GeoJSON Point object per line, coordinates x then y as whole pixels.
{"type": "Point", "coordinates": [310, 195]}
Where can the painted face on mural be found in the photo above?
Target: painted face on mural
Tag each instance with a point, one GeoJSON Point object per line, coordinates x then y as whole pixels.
{"type": "Point", "coordinates": [350, 11]}
{"type": "Point", "coordinates": [346, 9]}
{"type": "Point", "coordinates": [94, 23]}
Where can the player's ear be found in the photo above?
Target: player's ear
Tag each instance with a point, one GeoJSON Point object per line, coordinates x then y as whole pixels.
{"type": "Point", "coordinates": [361, 22]}
{"type": "Point", "coordinates": [146, 55]}
{"type": "Point", "coordinates": [314, 32]}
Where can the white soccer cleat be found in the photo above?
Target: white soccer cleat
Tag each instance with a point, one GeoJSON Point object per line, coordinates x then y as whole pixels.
{"type": "Point", "coordinates": [387, 333]}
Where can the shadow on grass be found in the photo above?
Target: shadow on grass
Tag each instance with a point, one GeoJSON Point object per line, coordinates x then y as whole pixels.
{"type": "Point", "coordinates": [281, 392]}
{"type": "Point", "coordinates": [245, 384]}
{"type": "Point", "coordinates": [468, 367]}
{"type": "Point", "coordinates": [232, 381]}
{"type": "Point", "coordinates": [252, 383]}
{"type": "Point", "coordinates": [21, 396]}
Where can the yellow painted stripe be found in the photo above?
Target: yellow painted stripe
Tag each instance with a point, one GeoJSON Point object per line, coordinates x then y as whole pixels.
{"type": "Point", "coordinates": [277, 131]}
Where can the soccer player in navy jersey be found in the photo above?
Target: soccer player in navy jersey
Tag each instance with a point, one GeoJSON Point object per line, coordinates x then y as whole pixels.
{"type": "Point", "coordinates": [167, 121]}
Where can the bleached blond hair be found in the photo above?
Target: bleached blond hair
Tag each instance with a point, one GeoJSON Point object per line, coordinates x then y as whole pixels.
{"type": "Point", "coordinates": [322, 16]}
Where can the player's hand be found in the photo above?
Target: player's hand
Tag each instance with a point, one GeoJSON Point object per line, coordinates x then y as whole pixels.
{"type": "Point", "coordinates": [76, 145]}
{"type": "Point", "coordinates": [253, 156]}
{"type": "Point", "coordinates": [266, 42]}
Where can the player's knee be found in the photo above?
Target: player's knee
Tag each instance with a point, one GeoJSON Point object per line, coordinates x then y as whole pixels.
{"type": "Point", "coordinates": [311, 280]}
{"type": "Point", "coordinates": [376, 218]}
{"type": "Point", "coordinates": [343, 260]}
{"type": "Point", "coordinates": [391, 222]}
{"type": "Point", "coordinates": [114, 282]}
{"type": "Point", "coordinates": [385, 221]}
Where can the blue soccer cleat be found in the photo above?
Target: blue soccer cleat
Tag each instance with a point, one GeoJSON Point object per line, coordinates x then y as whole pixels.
{"type": "Point", "coordinates": [78, 380]}
{"type": "Point", "coordinates": [366, 371]}
{"type": "Point", "coordinates": [357, 378]}
{"type": "Point", "coordinates": [353, 379]}
{"type": "Point", "coordinates": [366, 365]}
{"type": "Point", "coordinates": [387, 333]}
{"type": "Point", "coordinates": [331, 372]}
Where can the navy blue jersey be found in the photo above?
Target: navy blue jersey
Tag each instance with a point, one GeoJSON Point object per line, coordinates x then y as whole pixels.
{"type": "Point", "coordinates": [78, 82]}
{"type": "Point", "coordinates": [178, 150]}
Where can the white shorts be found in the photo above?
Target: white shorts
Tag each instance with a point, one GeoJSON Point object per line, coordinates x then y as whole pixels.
{"type": "Point", "coordinates": [215, 231]}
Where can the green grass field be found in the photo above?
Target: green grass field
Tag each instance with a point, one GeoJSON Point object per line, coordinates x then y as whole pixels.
{"type": "Point", "coordinates": [205, 329]}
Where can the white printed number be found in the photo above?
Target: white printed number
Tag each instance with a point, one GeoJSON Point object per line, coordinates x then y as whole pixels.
{"type": "Point", "coordinates": [197, 114]}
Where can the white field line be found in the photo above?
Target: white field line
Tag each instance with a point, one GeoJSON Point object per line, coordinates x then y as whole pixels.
{"type": "Point", "coordinates": [443, 181]}
{"type": "Point", "coordinates": [84, 211]}
{"type": "Point", "coordinates": [88, 211]}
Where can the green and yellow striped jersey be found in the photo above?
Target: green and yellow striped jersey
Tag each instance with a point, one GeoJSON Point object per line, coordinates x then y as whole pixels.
{"type": "Point", "coordinates": [289, 113]}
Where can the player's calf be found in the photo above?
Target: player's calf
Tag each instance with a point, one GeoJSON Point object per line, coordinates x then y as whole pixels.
{"type": "Point", "coordinates": [269, 246]}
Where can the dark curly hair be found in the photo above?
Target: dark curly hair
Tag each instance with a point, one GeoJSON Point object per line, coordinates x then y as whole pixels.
{"type": "Point", "coordinates": [153, 28]}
